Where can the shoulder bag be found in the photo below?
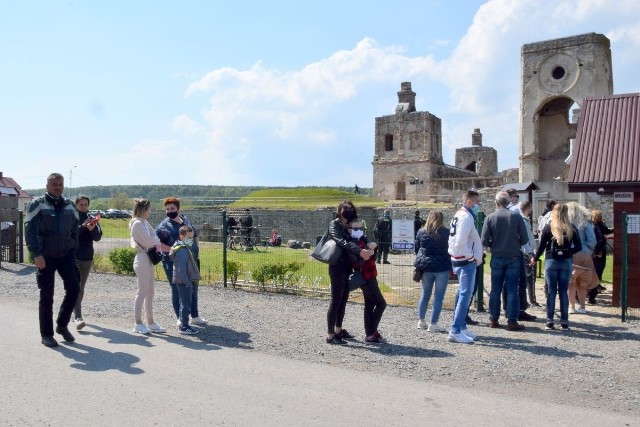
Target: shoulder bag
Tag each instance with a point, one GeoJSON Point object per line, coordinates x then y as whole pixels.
{"type": "Point", "coordinates": [356, 280]}
{"type": "Point", "coordinates": [327, 250]}
{"type": "Point", "coordinates": [154, 255]}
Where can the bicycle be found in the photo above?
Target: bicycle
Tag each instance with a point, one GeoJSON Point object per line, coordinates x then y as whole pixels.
{"type": "Point", "coordinates": [253, 241]}
{"type": "Point", "coordinates": [234, 239]}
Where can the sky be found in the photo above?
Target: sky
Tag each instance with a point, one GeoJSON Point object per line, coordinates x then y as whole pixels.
{"type": "Point", "coordinates": [257, 93]}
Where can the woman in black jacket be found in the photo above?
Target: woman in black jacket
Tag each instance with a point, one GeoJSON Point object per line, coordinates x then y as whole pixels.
{"type": "Point", "coordinates": [434, 262]}
{"type": "Point", "coordinates": [339, 273]}
{"type": "Point", "coordinates": [559, 240]}
{"type": "Point", "coordinates": [89, 231]}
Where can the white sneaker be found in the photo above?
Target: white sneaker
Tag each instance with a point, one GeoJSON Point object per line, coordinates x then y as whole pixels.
{"type": "Point", "coordinates": [141, 329]}
{"type": "Point", "coordinates": [470, 334]}
{"type": "Point", "coordinates": [434, 327]}
{"type": "Point", "coordinates": [154, 327]}
{"type": "Point", "coordinates": [461, 338]}
{"type": "Point", "coordinates": [80, 324]}
{"type": "Point", "coordinates": [422, 324]}
{"type": "Point", "coordinates": [199, 321]}
{"type": "Point", "coordinates": [572, 310]}
{"type": "Point", "coordinates": [581, 311]}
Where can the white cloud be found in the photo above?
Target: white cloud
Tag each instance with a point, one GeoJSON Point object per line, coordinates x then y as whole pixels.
{"type": "Point", "coordinates": [186, 124]}
{"type": "Point", "coordinates": [302, 117]}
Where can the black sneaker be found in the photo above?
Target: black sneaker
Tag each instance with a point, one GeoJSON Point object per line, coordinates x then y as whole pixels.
{"type": "Point", "coordinates": [550, 326]}
{"type": "Point", "coordinates": [470, 321]}
{"type": "Point", "coordinates": [188, 330]}
{"type": "Point", "coordinates": [62, 330]}
{"type": "Point", "coordinates": [526, 317]}
{"type": "Point", "coordinates": [345, 335]}
{"type": "Point", "coordinates": [336, 340]}
{"type": "Point", "coordinates": [49, 341]}
{"type": "Point", "coordinates": [564, 328]}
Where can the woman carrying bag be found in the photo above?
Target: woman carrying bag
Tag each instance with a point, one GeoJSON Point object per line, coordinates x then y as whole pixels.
{"type": "Point", "coordinates": [340, 271]}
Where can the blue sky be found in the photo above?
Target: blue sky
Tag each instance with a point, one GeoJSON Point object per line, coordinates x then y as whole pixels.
{"type": "Point", "coordinates": [267, 93]}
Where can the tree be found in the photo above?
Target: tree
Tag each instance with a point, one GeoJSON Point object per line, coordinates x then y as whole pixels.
{"type": "Point", "coordinates": [121, 201]}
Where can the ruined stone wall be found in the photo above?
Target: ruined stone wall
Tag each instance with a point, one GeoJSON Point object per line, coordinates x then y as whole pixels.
{"type": "Point", "coordinates": [483, 160]}
{"type": "Point", "coordinates": [555, 74]}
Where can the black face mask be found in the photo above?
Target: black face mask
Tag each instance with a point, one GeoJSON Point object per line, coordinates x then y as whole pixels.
{"type": "Point", "coordinates": [172, 215]}
{"type": "Point", "coordinates": [348, 213]}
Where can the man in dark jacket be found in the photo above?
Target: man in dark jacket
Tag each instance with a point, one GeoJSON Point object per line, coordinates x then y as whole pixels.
{"type": "Point", "coordinates": [504, 232]}
{"type": "Point", "coordinates": [382, 233]}
{"type": "Point", "coordinates": [52, 237]}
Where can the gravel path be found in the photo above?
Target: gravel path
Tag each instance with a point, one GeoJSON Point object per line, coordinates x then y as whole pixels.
{"type": "Point", "coordinates": [596, 364]}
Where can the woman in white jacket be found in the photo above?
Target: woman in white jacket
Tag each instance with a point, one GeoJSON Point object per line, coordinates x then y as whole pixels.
{"type": "Point", "coordinates": [143, 237]}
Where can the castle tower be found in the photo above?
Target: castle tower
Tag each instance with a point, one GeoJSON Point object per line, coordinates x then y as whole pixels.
{"type": "Point", "coordinates": [478, 159]}
{"type": "Point", "coordinates": [408, 147]}
{"type": "Point", "coordinates": [555, 75]}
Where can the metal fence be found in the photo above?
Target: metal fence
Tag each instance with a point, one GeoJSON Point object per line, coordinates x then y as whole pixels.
{"type": "Point", "coordinates": [285, 268]}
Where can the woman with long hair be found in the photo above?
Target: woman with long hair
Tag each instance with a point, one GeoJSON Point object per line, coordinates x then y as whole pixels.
{"type": "Point", "coordinates": [434, 262]}
{"type": "Point", "coordinates": [583, 276]}
{"type": "Point", "coordinates": [559, 241]}
{"type": "Point", "coordinates": [143, 237]}
{"type": "Point", "coordinates": [339, 273]}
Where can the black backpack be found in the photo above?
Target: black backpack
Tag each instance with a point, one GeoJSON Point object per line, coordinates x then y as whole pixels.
{"type": "Point", "coordinates": [560, 251]}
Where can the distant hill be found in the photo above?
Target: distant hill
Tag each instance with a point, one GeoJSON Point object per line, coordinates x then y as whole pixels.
{"type": "Point", "coordinates": [203, 192]}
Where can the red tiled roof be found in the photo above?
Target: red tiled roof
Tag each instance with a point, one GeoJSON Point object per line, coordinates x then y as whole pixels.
{"type": "Point", "coordinates": [606, 152]}
{"type": "Point", "coordinates": [5, 181]}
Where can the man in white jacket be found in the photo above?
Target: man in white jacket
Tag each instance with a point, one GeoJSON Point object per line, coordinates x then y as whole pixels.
{"type": "Point", "coordinates": [465, 249]}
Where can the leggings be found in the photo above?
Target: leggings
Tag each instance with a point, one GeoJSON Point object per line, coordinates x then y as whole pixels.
{"type": "Point", "coordinates": [374, 305]}
{"type": "Point", "coordinates": [144, 273]}
{"type": "Point", "coordinates": [339, 275]}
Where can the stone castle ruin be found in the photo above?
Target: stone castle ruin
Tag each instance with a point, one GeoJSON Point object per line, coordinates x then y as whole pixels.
{"type": "Point", "coordinates": [408, 153]}
{"type": "Point", "coordinates": [556, 77]}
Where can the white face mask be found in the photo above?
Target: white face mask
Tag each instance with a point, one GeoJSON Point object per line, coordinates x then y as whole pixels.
{"type": "Point", "coordinates": [188, 241]}
{"type": "Point", "coordinates": [356, 234]}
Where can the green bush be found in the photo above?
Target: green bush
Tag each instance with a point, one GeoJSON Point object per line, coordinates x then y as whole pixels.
{"type": "Point", "coordinates": [233, 269]}
{"type": "Point", "coordinates": [122, 260]}
{"type": "Point", "coordinates": [274, 272]}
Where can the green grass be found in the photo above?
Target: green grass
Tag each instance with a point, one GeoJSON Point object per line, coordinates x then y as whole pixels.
{"type": "Point", "coordinates": [309, 198]}
{"type": "Point", "coordinates": [115, 228]}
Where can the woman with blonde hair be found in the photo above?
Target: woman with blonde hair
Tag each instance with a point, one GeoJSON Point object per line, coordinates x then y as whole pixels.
{"type": "Point", "coordinates": [559, 240]}
{"type": "Point", "coordinates": [432, 258]}
{"type": "Point", "coordinates": [583, 276]}
{"type": "Point", "coordinates": [143, 237]}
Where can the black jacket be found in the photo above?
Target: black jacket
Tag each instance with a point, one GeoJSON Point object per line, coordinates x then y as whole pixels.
{"type": "Point", "coordinates": [84, 251]}
{"type": "Point", "coordinates": [547, 239]}
{"type": "Point", "coordinates": [350, 249]}
{"type": "Point", "coordinates": [51, 227]}
{"type": "Point", "coordinates": [433, 252]}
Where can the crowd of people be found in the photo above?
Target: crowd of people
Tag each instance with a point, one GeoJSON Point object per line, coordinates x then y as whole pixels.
{"type": "Point", "coordinates": [60, 236]}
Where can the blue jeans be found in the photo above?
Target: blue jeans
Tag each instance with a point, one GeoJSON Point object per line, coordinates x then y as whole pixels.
{"type": "Point", "coordinates": [505, 271]}
{"type": "Point", "coordinates": [441, 279]}
{"type": "Point", "coordinates": [557, 273]}
{"type": "Point", "coordinates": [185, 292]}
{"type": "Point", "coordinates": [467, 279]}
{"type": "Point", "coordinates": [167, 265]}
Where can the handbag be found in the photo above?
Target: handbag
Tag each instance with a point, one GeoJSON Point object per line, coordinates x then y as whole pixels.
{"type": "Point", "coordinates": [154, 255]}
{"type": "Point", "coordinates": [327, 250]}
{"type": "Point", "coordinates": [417, 275]}
{"type": "Point", "coordinates": [356, 280]}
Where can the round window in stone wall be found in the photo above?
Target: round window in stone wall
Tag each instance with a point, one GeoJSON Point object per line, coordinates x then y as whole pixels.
{"type": "Point", "coordinates": [558, 72]}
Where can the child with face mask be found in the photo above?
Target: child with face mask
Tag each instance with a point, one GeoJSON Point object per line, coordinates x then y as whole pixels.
{"type": "Point", "coordinates": [374, 302]}
{"type": "Point", "coordinates": [185, 273]}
